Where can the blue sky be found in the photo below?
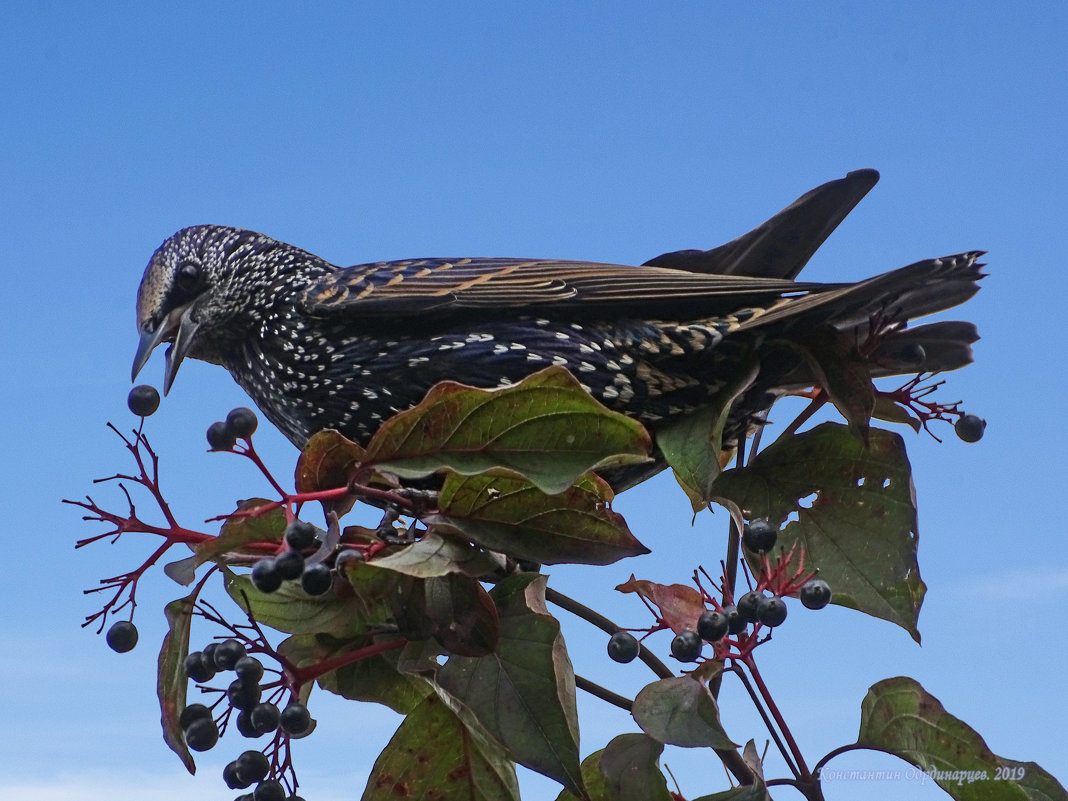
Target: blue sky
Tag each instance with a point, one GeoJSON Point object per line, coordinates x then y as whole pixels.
{"type": "Point", "coordinates": [586, 130]}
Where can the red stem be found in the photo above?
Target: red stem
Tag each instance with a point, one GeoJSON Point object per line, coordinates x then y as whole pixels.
{"type": "Point", "coordinates": [304, 675]}
{"type": "Point", "coordinates": [748, 661]}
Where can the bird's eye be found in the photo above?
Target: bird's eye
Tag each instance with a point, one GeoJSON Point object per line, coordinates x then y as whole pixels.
{"type": "Point", "coordinates": [187, 277]}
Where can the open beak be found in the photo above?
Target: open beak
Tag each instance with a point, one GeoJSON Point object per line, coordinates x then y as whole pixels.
{"type": "Point", "coordinates": [178, 326]}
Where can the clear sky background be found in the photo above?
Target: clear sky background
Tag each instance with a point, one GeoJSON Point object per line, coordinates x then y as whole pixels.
{"type": "Point", "coordinates": [611, 132]}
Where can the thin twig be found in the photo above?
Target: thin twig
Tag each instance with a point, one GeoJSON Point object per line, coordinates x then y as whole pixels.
{"type": "Point", "coordinates": [600, 621]}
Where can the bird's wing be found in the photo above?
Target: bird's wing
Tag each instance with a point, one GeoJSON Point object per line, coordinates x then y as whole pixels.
{"type": "Point", "coordinates": [444, 285]}
{"type": "Point", "coordinates": [781, 246]}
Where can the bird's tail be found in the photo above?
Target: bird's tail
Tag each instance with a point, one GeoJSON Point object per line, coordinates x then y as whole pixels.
{"type": "Point", "coordinates": [891, 301]}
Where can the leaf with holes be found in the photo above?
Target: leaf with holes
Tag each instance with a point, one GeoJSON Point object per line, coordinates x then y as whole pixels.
{"type": "Point", "coordinates": [545, 428]}
{"type": "Point", "coordinates": [680, 604]}
{"type": "Point", "coordinates": [900, 717]}
{"type": "Point", "coordinates": [859, 528]}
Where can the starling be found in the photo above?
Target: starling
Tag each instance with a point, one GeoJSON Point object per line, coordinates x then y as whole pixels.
{"type": "Point", "coordinates": [320, 346]}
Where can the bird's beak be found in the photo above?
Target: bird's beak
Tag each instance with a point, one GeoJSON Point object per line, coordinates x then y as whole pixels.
{"type": "Point", "coordinates": [180, 326]}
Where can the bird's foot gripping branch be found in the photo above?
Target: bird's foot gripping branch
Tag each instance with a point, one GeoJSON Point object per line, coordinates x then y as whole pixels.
{"type": "Point", "coordinates": [441, 612]}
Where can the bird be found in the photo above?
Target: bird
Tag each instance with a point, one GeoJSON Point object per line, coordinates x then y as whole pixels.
{"type": "Point", "coordinates": [319, 346]}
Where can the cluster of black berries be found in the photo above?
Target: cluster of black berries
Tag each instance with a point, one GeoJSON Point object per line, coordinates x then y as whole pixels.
{"type": "Point", "coordinates": [255, 717]}
{"type": "Point", "coordinates": [315, 579]}
{"type": "Point", "coordinates": [754, 606]}
{"type": "Point", "coordinates": [240, 423]}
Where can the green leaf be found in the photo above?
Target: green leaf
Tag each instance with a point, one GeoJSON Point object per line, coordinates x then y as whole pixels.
{"type": "Point", "coordinates": [465, 618]}
{"type": "Point", "coordinates": [433, 756]}
{"type": "Point", "coordinates": [860, 530]}
{"type": "Point", "coordinates": [513, 516]}
{"type": "Point", "coordinates": [327, 461]}
{"type": "Point", "coordinates": [171, 681]}
{"type": "Point", "coordinates": [374, 678]}
{"type": "Point", "coordinates": [842, 373]}
{"type": "Point", "coordinates": [900, 717]}
{"type": "Point", "coordinates": [236, 532]}
{"type": "Point", "coordinates": [693, 445]}
{"type": "Point", "coordinates": [433, 555]}
{"type": "Point", "coordinates": [289, 609]}
{"type": "Point", "coordinates": [886, 408]}
{"type": "Point", "coordinates": [630, 765]}
{"type": "Point", "coordinates": [523, 694]}
{"type": "Point", "coordinates": [680, 711]}
{"type": "Point", "coordinates": [757, 791]}
{"type": "Point", "coordinates": [595, 781]}
{"type": "Point", "coordinates": [545, 428]}
{"type": "Point", "coordinates": [628, 769]}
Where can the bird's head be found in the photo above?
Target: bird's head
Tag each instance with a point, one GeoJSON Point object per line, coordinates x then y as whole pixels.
{"type": "Point", "coordinates": [198, 287]}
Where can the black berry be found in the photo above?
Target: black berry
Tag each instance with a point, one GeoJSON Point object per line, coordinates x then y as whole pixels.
{"type": "Point", "coordinates": [122, 636]}
{"type": "Point", "coordinates": [249, 668]}
{"type": "Point", "coordinates": [815, 594]}
{"type": "Point", "coordinates": [300, 535]}
{"type": "Point", "coordinates": [269, 791]}
{"type": "Point", "coordinates": [759, 536]}
{"type": "Point", "coordinates": [198, 667]}
{"type": "Point", "coordinates": [245, 726]}
{"type": "Point", "coordinates": [243, 694]}
{"type": "Point", "coordinates": [209, 653]}
{"type": "Point", "coordinates": [749, 605]}
{"type": "Point", "coordinates": [265, 717]}
{"type": "Point", "coordinates": [143, 400]}
{"type": "Point", "coordinates": [295, 718]}
{"type": "Point", "coordinates": [191, 713]}
{"type": "Point", "coordinates": [289, 565]}
{"type": "Point", "coordinates": [772, 611]}
{"type": "Point", "coordinates": [232, 779]}
{"type": "Point", "coordinates": [346, 556]}
{"type": "Point", "coordinates": [265, 577]}
{"type": "Point", "coordinates": [735, 622]}
{"type": "Point", "coordinates": [970, 427]}
{"type": "Point", "coordinates": [202, 734]}
{"type": "Point", "coordinates": [712, 626]}
{"type": "Point", "coordinates": [316, 579]}
{"type": "Point", "coordinates": [253, 766]}
{"type": "Point", "coordinates": [528, 566]}
{"type": "Point", "coordinates": [220, 438]}
{"type": "Point", "coordinates": [623, 647]}
{"type": "Point", "coordinates": [227, 654]}
{"type": "Point", "coordinates": [242, 422]}
{"type": "Point", "coordinates": [686, 646]}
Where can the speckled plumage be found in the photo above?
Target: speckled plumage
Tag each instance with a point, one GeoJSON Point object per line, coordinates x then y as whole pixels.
{"type": "Point", "coordinates": [320, 346]}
